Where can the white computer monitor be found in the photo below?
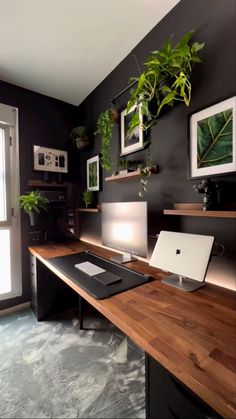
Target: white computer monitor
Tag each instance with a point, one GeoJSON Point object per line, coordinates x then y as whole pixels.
{"type": "Point", "coordinates": [185, 255]}
{"type": "Point", "coordinates": [124, 227]}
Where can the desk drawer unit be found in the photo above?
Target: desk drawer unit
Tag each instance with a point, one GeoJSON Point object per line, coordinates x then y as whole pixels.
{"type": "Point", "coordinates": [168, 398]}
{"type": "Point", "coordinates": [50, 296]}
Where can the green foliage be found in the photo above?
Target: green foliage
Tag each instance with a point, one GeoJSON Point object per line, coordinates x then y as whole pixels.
{"type": "Point", "coordinates": [93, 180]}
{"type": "Point", "coordinates": [214, 139]}
{"type": "Point", "coordinates": [105, 124]}
{"type": "Point", "coordinates": [165, 80]}
{"type": "Point", "coordinates": [80, 137]}
{"type": "Point", "coordinates": [145, 174]}
{"type": "Point", "coordinates": [33, 202]}
{"type": "Point", "coordinates": [88, 197]}
{"type": "Point", "coordinates": [78, 132]}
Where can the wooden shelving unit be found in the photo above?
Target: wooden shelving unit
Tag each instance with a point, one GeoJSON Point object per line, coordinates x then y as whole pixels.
{"type": "Point", "coordinates": [130, 175]}
{"type": "Point", "coordinates": [41, 184]}
{"type": "Point", "coordinates": [195, 210]}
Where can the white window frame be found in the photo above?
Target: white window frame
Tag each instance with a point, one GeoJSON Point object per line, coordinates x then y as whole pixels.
{"type": "Point", "coordinates": [9, 122]}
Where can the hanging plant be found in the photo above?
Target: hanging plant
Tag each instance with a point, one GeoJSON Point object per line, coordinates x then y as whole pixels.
{"type": "Point", "coordinates": [165, 80]}
{"type": "Point", "coordinates": [105, 124]}
{"type": "Point", "coordinates": [80, 138]}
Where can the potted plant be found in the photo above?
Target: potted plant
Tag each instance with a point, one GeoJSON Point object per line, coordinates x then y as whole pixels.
{"type": "Point", "coordinates": [105, 124]}
{"type": "Point", "coordinates": [165, 80]}
{"type": "Point", "coordinates": [80, 137]}
{"type": "Point", "coordinates": [122, 166]}
{"type": "Point", "coordinates": [88, 197]}
{"type": "Point", "coordinates": [32, 203]}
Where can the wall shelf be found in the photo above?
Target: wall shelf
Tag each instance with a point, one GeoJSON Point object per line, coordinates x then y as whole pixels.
{"type": "Point", "coordinates": [195, 210]}
{"type": "Point", "coordinates": [130, 175]}
{"type": "Point", "coordinates": [42, 184]}
{"type": "Point", "coordinates": [98, 209]}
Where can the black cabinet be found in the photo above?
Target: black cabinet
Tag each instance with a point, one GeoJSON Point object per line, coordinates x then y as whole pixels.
{"type": "Point", "coordinates": [50, 296]}
{"type": "Point", "coordinates": [168, 398]}
{"type": "Point", "coordinates": [58, 223]}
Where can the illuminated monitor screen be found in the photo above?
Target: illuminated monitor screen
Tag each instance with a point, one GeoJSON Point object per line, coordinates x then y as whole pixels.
{"type": "Point", "coordinates": [124, 227]}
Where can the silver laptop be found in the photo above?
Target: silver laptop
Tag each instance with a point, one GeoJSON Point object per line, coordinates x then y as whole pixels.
{"type": "Point", "coordinates": [185, 255]}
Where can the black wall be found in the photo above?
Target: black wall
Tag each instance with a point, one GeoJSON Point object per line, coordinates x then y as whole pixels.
{"type": "Point", "coordinates": [42, 121]}
{"type": "Point", "coordinates": [212, 81]}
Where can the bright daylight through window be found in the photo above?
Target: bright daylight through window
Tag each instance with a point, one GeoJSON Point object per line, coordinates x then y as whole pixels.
{"type": "Point", "coordinates": [5, 266]}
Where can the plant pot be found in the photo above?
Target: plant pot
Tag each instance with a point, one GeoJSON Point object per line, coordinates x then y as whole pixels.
{"type": "Point", "coordinates": [115, 115]}
{"type": "Point", "coordinates": [33, 219]}
{"type": "Point", "coordinates": [81, 142]}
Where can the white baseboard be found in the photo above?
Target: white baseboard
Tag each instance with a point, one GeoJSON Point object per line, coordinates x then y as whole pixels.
{"type": "Point", "coordinates": [19, 307]}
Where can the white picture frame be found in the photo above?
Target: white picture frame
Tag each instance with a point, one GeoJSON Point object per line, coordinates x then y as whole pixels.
{"type": "Point", "coordinates": [93, 178]}
{"type": "Point", "coordinates": [213, 140]}
{"type": "Point", "coordinates": [50, 159]}
{"type": "Point", "coordinates": [134, 141]}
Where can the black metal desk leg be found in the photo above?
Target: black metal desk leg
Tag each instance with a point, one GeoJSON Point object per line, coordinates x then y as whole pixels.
{"type": "Point", "coordinates": [81, 313]}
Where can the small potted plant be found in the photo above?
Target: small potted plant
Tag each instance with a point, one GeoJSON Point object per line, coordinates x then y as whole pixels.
{"type": "Point", "coordinates": [105, 124]}
{"type": "Point", "coordinates": [32, 203]}
{"type": "Point", "coordinates": [80, 137]}
{"type": "Point", "coordinates": [88, 197]}
{"type": "Point", "coordinates": [122, 166]}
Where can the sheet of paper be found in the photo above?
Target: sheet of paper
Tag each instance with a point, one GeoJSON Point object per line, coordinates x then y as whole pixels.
{"type": "Point", "coordinates": [89, 268]}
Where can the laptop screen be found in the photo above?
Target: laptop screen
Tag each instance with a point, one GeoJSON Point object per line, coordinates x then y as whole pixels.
{"type": "Point", "coordinates": [182, 254]}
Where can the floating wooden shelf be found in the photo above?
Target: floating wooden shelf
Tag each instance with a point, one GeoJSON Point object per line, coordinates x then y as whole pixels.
{"type": "Point", "coordinates": [98, 209]}
{"type": "Point", "coordinates": [130, 175]}
{"type": "Point", "coordinates": [40, 184]}
{"type": "Point", "coordinates": [195, 210]}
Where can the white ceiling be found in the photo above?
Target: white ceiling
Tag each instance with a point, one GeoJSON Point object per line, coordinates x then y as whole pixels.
{"type": "Point", "coordinates": [65, 48]}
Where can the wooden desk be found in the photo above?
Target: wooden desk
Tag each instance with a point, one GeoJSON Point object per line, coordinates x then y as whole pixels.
{"type": "Point", "coordinates": [192, 335]}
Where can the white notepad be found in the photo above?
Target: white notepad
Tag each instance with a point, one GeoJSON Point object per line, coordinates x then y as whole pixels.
{"type": "Point", "coordinates": [89, 268]}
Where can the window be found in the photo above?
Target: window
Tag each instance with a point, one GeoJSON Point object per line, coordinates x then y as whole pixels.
{"type": "Point", "coordinates": [10, 257]}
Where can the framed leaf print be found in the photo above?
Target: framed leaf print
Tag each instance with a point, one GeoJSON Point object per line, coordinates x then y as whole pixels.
{"type": "Point", "coordinates": [213, 140]}
{"type": "Point", "coordinates": [93, 174]}
{"type": "Point", "coordinates": [134, 141]}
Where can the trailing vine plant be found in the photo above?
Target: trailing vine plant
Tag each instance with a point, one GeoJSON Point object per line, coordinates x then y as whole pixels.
{"type": "Point", "coordinates": [105, 124]}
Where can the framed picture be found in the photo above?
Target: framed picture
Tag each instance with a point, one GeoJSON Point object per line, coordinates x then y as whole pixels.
{"type": "Point", "coordinates": [134, 141]}
{"type": "Point", "coordinates": [50, 159]}
{"type": "Point", "coordinates": [93, 174]}
{"type": "Point", "coordinates": [212, 140]}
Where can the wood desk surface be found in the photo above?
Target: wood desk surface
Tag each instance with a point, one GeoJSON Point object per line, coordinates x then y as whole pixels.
{"type": "Point", "coordinates": [193, 335]}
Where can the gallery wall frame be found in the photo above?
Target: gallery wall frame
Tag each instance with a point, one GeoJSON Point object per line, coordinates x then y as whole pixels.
{"type": "Point", "coordinates": [93, 178]}
{"type": "Point", "coordinates": [134, 141]}
{"type": "Point", "coordinates": [212, 148]}
{"type": "Point", "coordinates": [50, 159]}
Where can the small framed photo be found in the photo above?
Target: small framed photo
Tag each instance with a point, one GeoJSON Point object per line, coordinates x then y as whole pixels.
{"type": "Point", "coordinates": [213, 140]}
{"type": "Point", "coordinates": [134, 141]}
{"type": "Point", "coordinates": [93, 174]}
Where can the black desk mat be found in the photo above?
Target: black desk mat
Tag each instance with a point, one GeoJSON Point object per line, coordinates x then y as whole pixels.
{"type": "Point", "coordinates": [129, 278]}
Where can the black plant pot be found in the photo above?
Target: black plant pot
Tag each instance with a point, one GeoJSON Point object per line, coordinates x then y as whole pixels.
{"type": "Point", "coordinates": [81, 143]}
{"type": "Point", "coordinates": [33, 219]}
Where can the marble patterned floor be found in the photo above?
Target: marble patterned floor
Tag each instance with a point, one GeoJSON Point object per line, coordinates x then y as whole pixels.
{"type": "Point", "coordinates": [52, 369]}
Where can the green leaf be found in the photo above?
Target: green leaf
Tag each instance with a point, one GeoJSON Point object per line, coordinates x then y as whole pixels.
{"type": "Point", "coordinates": [134, 123]}
{"type": "Point", "coordinates": [168, 100]}
{"type": "Point", "coordinates": [214, 139]}
{"type": "Point", "coordinates": [197, 46]}
{"type": "Point", "coordinates": [185, 40]}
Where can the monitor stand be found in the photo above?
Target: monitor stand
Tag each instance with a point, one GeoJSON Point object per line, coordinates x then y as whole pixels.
{"type": "Point", "coordinates": [124, 258]}
{"type": "Point", "coordinates": [183, 283]}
